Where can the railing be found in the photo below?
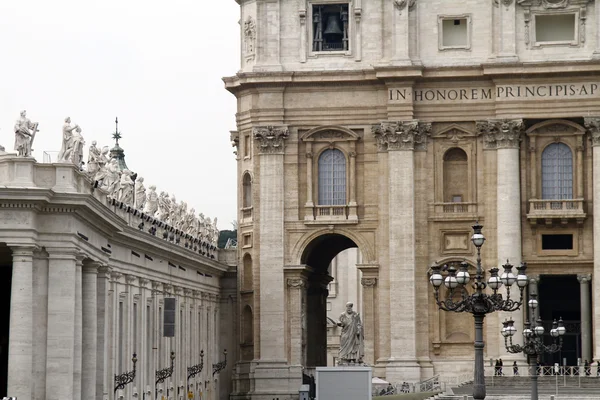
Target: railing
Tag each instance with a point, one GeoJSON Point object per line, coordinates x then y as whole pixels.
{"type": "Point", "coordinates": [543, 370]}
{"type": "Point", "coordinates": [451, 210]}
{"type": "Point", "coordinates": [331, 212]}
{"type": "Point", "coordinates": [429, 385]}
{"type": "Point", "coordinates": [555, 207]}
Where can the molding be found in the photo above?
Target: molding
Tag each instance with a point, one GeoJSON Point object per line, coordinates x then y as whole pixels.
{"type": "Point", "coordinates": [270, 139]}
{"type": "Point", "coordinates": [500, 133]}
{"type": "Point", "coordinates": [402, 135]}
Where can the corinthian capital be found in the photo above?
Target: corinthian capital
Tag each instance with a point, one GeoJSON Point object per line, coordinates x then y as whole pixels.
{"type": "Point", "coordinates": [270, 139]}
{"type": "Point", "coordinates": [592, 124]}
{"type": "Point", "coordinates": [500, 133]}
{"type": "Point", "coordinates": [400, 4]}
{"type": "Point", "coordinates": [403, 135]}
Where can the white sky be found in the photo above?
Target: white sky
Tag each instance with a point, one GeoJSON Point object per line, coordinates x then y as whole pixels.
{"type": "Point", "coordinates": [157, 65]}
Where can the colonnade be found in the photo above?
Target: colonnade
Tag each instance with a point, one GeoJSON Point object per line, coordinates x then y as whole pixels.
{"type": "Point", "coordinates": [75, 323]}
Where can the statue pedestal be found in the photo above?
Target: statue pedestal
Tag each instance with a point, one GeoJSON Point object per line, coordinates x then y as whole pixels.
{"type": "Point", "coordinates": [344, 383]}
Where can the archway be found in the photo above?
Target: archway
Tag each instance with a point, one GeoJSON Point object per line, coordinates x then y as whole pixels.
{"type": "Point", "coordinates": [318, 256]}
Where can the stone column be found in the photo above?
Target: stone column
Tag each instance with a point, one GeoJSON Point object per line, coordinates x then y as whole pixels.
{"type": "Point", "coordinates": [579, 194]}
{"type": "Point", "coordinates": [505, 137]}
{"type": "Point", "coordinates": [370, 276]}
{"type": "Point", "coordinates": [103, 333]}
{"type": "Point", "coordinates": [533, 167]}
{"type": "Point", "coordinates": [114, 334]}
{"type": "Point", "coordinates": [586, 323]}
{"type": "Point", "coordinates": [400, 139]}
{"type": "Point", "coordinates": [296, 276]}
{"type": "Point", "coordinates": [78, 325]}
{"type": "Point", "coordinates": [352, 206]}
{"type": "Point", "coordinates": [62, 274]}
{"type": "Point", "coordinates": [592, 124]}
{"type": "Point", "coordinates": [89, 329]}
{"type": "Point", "coordinates": [20, 342]}
{"type": "Point", "coordinates": [40, 328]}
{"type": "Point", "coordinates": [271, 145]}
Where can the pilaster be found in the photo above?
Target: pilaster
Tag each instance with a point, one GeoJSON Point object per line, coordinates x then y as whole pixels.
{"type": "Point", "coordinates": [89, 329]}
{"type": "Point", "coordinates": [77, 368]}
{"type": "Point", "coordinates": [586, 323]}
{"type": "Point", "coordinates": [296, 282]}
{"type": "Point", "coordinates": [103, 333]}
{"type": "Point", "coordinates": [507, 27]}
{"type": "Point", "coordinates": [40, 324]}
{"type": "Point", "coordinates": [370, 278]}
{"type": "Point", "coordinates": [400, 31]}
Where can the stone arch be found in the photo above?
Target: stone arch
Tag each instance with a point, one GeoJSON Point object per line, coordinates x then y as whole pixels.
{"type": "Point", "coordinates": [312, 134]}
{"type": "Point", "coordinates": [546, 126]}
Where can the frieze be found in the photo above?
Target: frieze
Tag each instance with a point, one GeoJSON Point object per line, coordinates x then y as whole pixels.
{"type": "Point", "coordinates": [403, 135]}
{"type": "Point", "coordinates": [552, 4]}
{"type": "Point", "coordinates": [249, 39]}
{"type": "Point", "coordinates": [592, 124]}
{"type": "Point", "coordinates": [501, 133]}
{"type": "Point", "coordinates": [270, 139]}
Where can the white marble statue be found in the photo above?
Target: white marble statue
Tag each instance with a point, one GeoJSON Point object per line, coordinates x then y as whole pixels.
{"type": "Point", "coordinates": [151, 206]}
{"type": "Point", "coordinates": [191, 224]}
{"type": "Point", "coordinates": [110, 177]}
{"type": "Point", "coordinates": [164, 207]}
{"type": "Point", "coordinates": [140, 193]}
{"type": "Point", "coordinates": [93, 159]}
{"type": "Point", "coordinates": [78, 143]}
{"type": "Point", "coordinates": [25, 131]}
{"type": "Point", "coordinates": [102, 161]}
{"type": "Point", "coordinates": [173, 211]}
{"type": "Point", "coordinates": [125, 191]}
{"type": "Point", "coordinates": [66, 150]}
{"type": "Point", "coordinates": [351, 338]}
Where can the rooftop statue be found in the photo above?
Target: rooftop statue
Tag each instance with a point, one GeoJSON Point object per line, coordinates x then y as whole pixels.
{"type": "Point", "coordinates": [68, 141]}
{"type": "Point", "coordinates": [140, 194]}
{"type": "Point", "coordinates": [93, 159]}
{"type": "Point", "coordinates": [25, 131]}
{"type": "Point", "coordinates": [125, 191]}
{"type": "Point", "coordinates": [151, 206]}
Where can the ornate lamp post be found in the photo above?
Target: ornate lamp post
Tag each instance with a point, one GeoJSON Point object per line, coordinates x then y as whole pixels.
{"type": "Point", "coordinates": [163, 374]}
{"type": "Point", "coordinates": [195, 369]}
{"type": "Point", "coordinates": [218, 367]}
{"type": "Point", "coordinates": [126, 378]}
{"type": "Point", "coordinates": [479, 303]}
{"type": "Point", "coordinates": [533, 336]}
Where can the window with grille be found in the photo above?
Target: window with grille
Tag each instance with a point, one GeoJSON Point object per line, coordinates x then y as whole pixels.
{"type": "Point", "coordinates": [332, 178]}
{"type": "Point", "coordinates": [557, 172]}
{"type": "Point", "coordinates": [330, 27]}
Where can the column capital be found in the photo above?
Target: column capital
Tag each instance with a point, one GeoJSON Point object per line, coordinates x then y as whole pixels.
{"type": "Point", "coordinates": [500, 133]}
{"type": "Point", "coordinates": [400, 4]}
{"type": "Point", "coordinates": [592, 124]}
{"type": "Point", "coordinates": [534, 279]}
{"type": "Point", "coordinates": [270, 139]}
{"type": "Point", "coordinates": [130, 279]}
{"type": "Point", "coordinates": [401, 135]}
{"type": "Point", "coordinates": [23, 250]}
{"type": "Point", "coordinates": [143, 282]}
{"type": "Point", "coordinates": [368, 282]}
{"type": "Point", "coordinates": [297, 283]}
{"type": "Point", "coordinates": [584, 278]}
{"type": "Point", "coordinates": [91, 267]}
{"type": "Point", "coordinates": [115, 276]}
{"type": "Point", "coordinates": [104, 271]}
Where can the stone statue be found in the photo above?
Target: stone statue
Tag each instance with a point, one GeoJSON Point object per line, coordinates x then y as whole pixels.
{"type": "Point", "coordinates": [352, 337]}
{"type": "Point", "coordinates": [140, 194]}
{"type": "Point", "coordinates": [125, 191]}
{"type": "Point", "coordinates": [110, 177]}
{"type": "Point", "coordinates": [93, 158]}
{"type": "Point", "coordinates": [78, 142]}
{"type": "Point", "coordinates": [164, 207]}
{"type": "Point", "coordinates": [66, 150]}
{"type": "Point", "coordinates": [191, 224]}
{"type": "Point", "coordinates": [25, 131]}
{"type": "Point", "coordinates": [151, 206]}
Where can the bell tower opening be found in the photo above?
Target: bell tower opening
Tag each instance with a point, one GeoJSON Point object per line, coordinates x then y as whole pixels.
{"type": "Point", "coordinates": [318, 256]}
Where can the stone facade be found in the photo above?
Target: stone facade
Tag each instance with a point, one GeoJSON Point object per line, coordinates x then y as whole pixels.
{"type": "Point", "coordinates": [442, 112]}
{"type": "Point", "coordinates": [85, 281]}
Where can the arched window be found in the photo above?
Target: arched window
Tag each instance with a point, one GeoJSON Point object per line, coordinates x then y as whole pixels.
{"type": "Point", "coordinates": [557, 172]}
{"type": "Point", "coordinates": [248, 328]}
{"type": "Point", "coordinates": [332, 178]}
{"type": "Point", "coordinates": [456, 176]}
{"type": "Point", "coordinates": [248, 278]}
{"type": "Point", "coordinates": [247, 190]}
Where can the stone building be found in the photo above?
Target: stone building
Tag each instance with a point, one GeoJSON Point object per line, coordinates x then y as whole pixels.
{"type": "Point", "coordinates": [392, 126]}
{"type": "Point", "coordinates": [88, 281]}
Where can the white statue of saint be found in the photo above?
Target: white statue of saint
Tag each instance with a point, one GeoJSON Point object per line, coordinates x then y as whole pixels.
{"type": "Point", "coordinates": [151, 206]}
{"type": "Point", "coordinates": [78, 142]}
{"type": "Point", "coordinates": [24, 134]}
{"type": "Point", "coordinates": [192, 225]}
{"type": "Point", "coordinates": [164, 207]}
{"type": "Point", "coordinates": [140, 193]}
{"type": "Point", "coordinates": [352, 337]}
{"type": "Point", "coordinates": [125, 192]}
{"type": "Point", "coordinates": [111, 177]}
{"type": "Point", "coordinates": [93, 158]}
{"type": "Point", "coordinates": [66, 150]}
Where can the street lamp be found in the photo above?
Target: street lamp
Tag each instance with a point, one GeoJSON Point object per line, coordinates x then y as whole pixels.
{"type": "Point", "coordinates": [163, 374]}
{"type": "Point", "coordinates": [479, 303]}
{"type": "Point", "coordinates": [533, 338]}
{"type": "Point", "coordinates": [218, 367]}
{"type": "Point", "coordinates": [126, 378]}
{"type": "Point", "coordinates": [195, 369]}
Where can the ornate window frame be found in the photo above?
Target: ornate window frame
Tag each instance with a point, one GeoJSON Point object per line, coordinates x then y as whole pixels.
{"type": "Point", "coordinates": [316, 141]}
{"type": "Point", "coordinates": [307, 30]}
{"type": "Point", "coordinates": [448, 17]}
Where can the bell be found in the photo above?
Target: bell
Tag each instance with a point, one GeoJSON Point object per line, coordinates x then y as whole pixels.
{"type": "Point", "coordinates": [333, 27]}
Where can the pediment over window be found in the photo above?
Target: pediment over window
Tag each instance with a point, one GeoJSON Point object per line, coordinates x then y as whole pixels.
{"type": "Point", "coordinates": [454, 133]}
{"type": "Point", "coordinates": [330, 133]}
{"type": "Point", "coordinates": [552, 4]}
{"type": "Point", "coordinates": [556, 127]}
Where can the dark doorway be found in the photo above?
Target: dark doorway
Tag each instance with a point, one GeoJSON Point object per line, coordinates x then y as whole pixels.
{"type": "Point", "coordinates": [559, 297]}
{"type": "Point", "coordinates": [5, 284]}
{"type": "Point", "coordinates": [318, 256]}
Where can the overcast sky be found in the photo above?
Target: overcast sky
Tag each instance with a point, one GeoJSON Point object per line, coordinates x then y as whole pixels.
{"type": "Point", "coordinates": [157, 65]}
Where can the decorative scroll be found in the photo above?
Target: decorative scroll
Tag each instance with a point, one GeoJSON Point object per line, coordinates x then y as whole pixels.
{"type": "Point", "coordinates": [404, 135]}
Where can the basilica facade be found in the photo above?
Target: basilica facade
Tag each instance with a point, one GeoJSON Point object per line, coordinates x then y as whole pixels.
{"type": "Point", "coordinates": [392, 127]}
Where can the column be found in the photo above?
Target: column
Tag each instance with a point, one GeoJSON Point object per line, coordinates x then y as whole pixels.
{"type": "Point", "coordinates": [89, 330]}
{"type": "Point", "coordinates": [143, 355]}
{"type": "Point", "coordinates": [271, 145]}
{"type": "Point", "coordinates": [20, 344]}
{"type": "Point", "coordinates": [309, 206]}
{"type": "Point", "coordinates": [400, 138]}
{"type": "Point", "coordinates": [592, 124]}
{"type": "Point", "coordinates": [78, 324]}
{"type": "Point", "coordinates": [586, 323]}
{"type": "Point", "coordinates": [505, 137]}
{"type": "Point", "coordinates": [370, 276]}
{"type": "Point", "coordinates": [40, 329]}
{"type": "Point", "coordinates": [62, 274]}
{"type": "Point", "coordinates": [296, 276]}
{"type": "Point", "coordinates": [580, 148]}
{"type": "Point", "coordinates": [533, 289]}
{"type": "Point", "coordinates": [533, 167]}
{"type": "Point", "coordinates": [114, 334]}
{"type": "Point", "coordinates": [507, 46]}
{"type": "Point", "coordinates": [400, 31]}
{"type": "Point", "coordinates": [103, 332]}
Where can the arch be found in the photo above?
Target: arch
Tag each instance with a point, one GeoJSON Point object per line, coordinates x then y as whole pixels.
{"type": "Point", "coordinates": [456, 175]}
{"type": "Point", "coordinates": [247, 190]}
{"type": "Point", "coordinates": [332, 177]}
{"type": "Point", "coordinates": [557, 171]}
{"type": "Point", "coordinates": [300, 249]}
{"type": "Point", "coordinates": [247, 274]}
{"type": "Point", "coordinates": [311, 135]}
{"type": "Point", "coordinates": [545, 124]}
